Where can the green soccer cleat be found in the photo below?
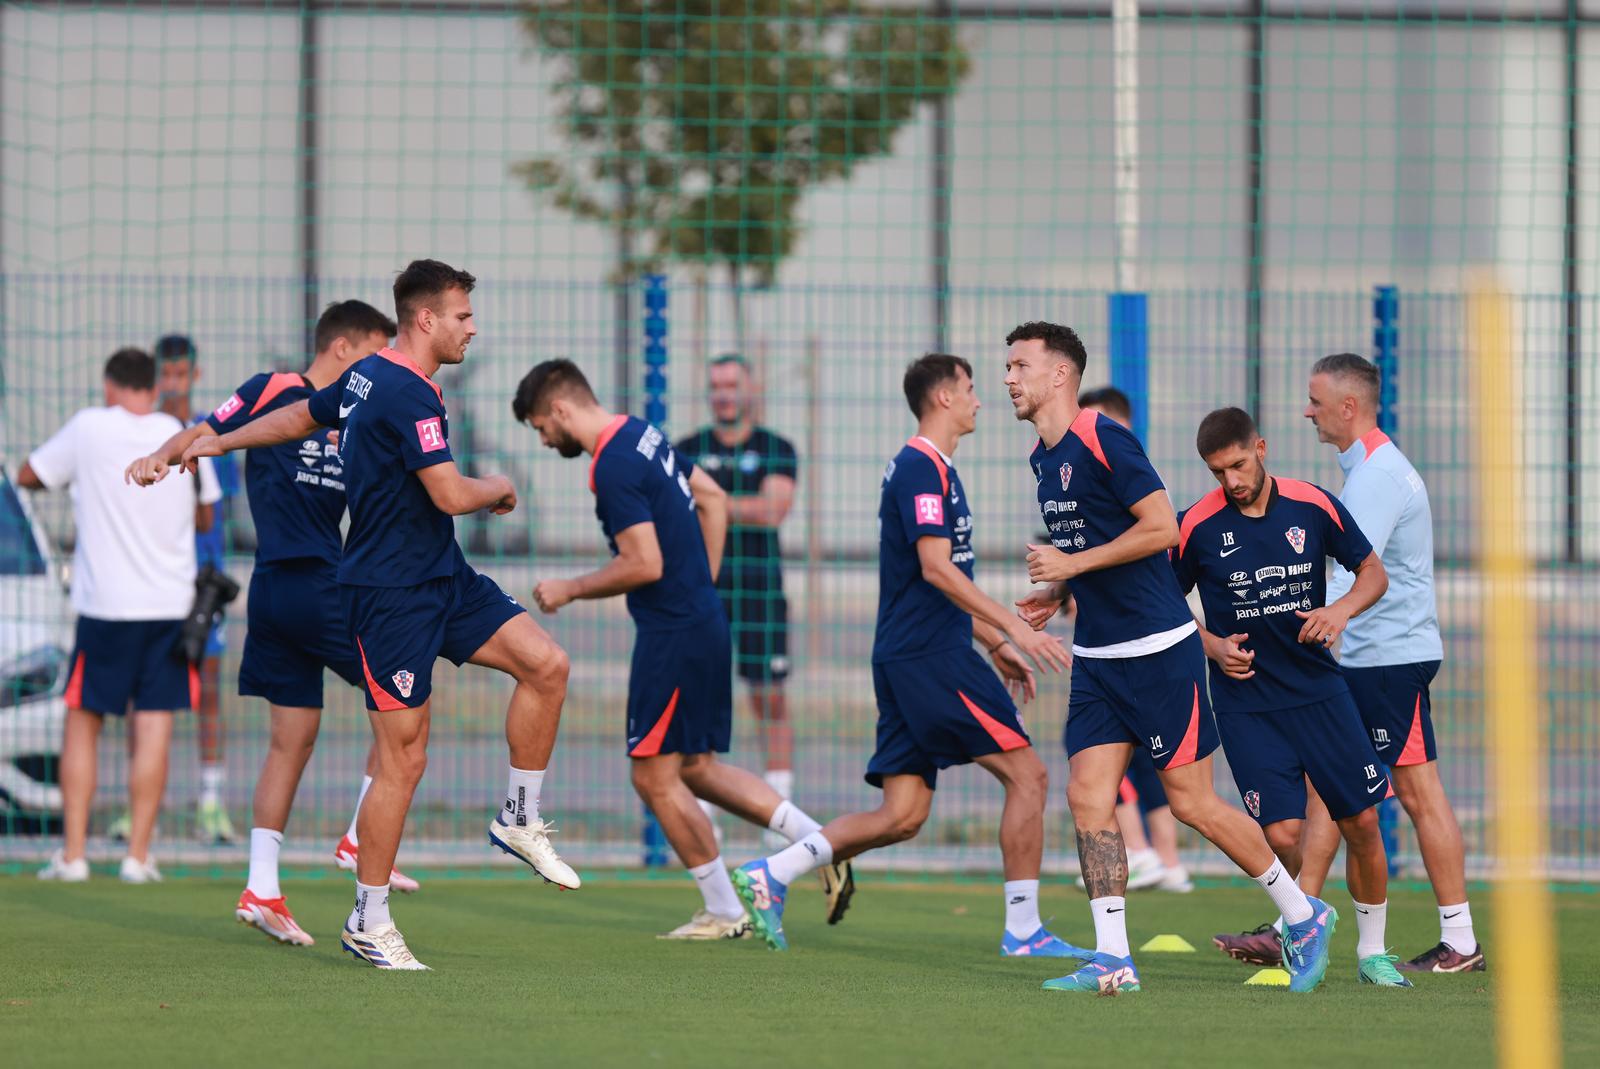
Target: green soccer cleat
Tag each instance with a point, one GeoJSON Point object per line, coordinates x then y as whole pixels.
{"type": "Point", "coordinates": [121, 828]}
{"type": "Point", "coordinates": [213, 825]}
{"type": "Point", "coordinates": [1378, 969]}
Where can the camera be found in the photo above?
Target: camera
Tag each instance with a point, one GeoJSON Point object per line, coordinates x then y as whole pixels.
{"type": "Point", "coordinates": [213, 590]}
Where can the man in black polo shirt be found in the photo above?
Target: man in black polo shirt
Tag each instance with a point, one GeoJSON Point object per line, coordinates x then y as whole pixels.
{"type": "Point", "coordinates": [757, 469]}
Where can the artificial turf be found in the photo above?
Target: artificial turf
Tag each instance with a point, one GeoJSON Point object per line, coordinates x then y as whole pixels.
{"type": "Point", "coordinates": [104, 974]}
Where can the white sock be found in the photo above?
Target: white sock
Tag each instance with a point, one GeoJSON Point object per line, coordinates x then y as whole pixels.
{"type": "Point", "coordinates": [211, 780]}
{"type": "Point", "coordinates": [1286, 894]}
{"type": "Point", "coordinates": [263, 879]}
{"type": "Point", "coordinates": [1455, 928]}
{"type": "Point", "coordinates": [1277, 925]}
{"type": "Point", "coordinates": [1110, 925]}
{"type": "Point", "coordinates": [366, 785]}
{"type": "Point", "coordinates": [372, 908]}
{"type": "Point", "coordinates": [717, 890]}
{"type": "Point", "coordinates": [790, 822]}
{"type": "Point", "coordinates": [794, 861]}
{"type": "Point", "coordinates": [1370, 923]}
{"type": "Point", "coordinates": [1022, 908]}
{"type": "Point", "coordinates": [780, 780]}
{"type": "Point", "coordinates": [522, 797]}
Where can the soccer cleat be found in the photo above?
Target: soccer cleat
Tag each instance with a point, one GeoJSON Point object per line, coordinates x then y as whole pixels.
{"type": "Point", "coordinates": [213, 825]}
{"type": "Point", "coordinates": [1259, 946]}
{"type": "Point", "coordinates": [530, 844]}
{"type": "Point", "coordinates": [383, 948]}
{"type": "Point", "coordinates": [1041, 944]}
{"type": "Point", "coordinates": [272, 916]}
{"type": "Point", "coordinates": [1175, 881]}
{"type": "Point", "coordinates": [1379, 969]}
{"type": "Point", "coordinates": [136, 871]}
{"type": "Point", "coordinates": [839, 885]}
{"type": "Point", "coordinates": [1443, 958]}
{"type": "Point", "coordinates": [346, 853]}
{"type": "Point", "coordinates": [1102, 974]}
{"type": "Point", "coordinates": [121, 828]}
{"type": "Point", "coordinates": [63, 871]}
{"type": "Point", "coordinates": [1305, 946]}
{"type": "Point", "coordinates": [707, 925]}
{"type": "Point", "coordinates": [763, 896]}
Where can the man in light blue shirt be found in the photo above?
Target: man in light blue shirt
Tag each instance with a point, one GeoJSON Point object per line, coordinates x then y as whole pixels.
{"type": "Point", "coordinates": [1392, 652]}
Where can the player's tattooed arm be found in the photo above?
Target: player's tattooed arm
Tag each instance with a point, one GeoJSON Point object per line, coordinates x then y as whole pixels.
{"type": "Point", "coordinates": [1104, 863]}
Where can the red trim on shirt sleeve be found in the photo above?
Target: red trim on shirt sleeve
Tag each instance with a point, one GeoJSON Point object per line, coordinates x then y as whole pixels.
{"type": "Point", "coordinates": [1198, 513]}
{"type": "Point", "coordinates": [1373, 439]}
{"type": "Point", "coordinates": [1295, 490]}
{"type": "Point", "coordinates": [600, 444]}
{"type": "Point", "coordinates": [1087, 428]}
{"type": "Point", "coordinates": [938, 462]}
{"type": "Point", "coordinates": [279, 382]}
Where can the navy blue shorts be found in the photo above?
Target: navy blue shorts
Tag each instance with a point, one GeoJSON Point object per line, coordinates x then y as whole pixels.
{"type": "Point", "coordinates": [1272, 753]}
{"type": "Point", "coordinates": [1158, 701]}
{"type": "Point", "coordinates": [1142, 784]}
{"type": "Point", "coordinates": [399, 631]}
{"type": "Point", "coordinates": [1397, 710]}
{"type": "Point", "coordinates": [680, 691]}
{"type": "Point", "coordinates": [118, 664]}
{"type": "Point", "coordinates": [297, 628]}
{"type": "Point", "coordinates": [939, 710]}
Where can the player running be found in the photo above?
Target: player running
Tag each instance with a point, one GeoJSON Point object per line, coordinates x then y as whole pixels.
{"type": "Point", "coordinates": [938, 704]}
{"type": "Point", "coordinates": [1255, 548]}
{"type": "Point", "coordinates": [296, 623]}
{"type": "Point", "coordinates": [1138, 670]}
{"type": "Point", "coordinates": [410, 597]}
{"type": "Point", "coordinates": [665, 521]}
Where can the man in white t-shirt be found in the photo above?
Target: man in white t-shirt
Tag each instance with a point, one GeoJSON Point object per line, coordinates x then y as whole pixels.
{"type": "Point", "coordinates": [132, 585]}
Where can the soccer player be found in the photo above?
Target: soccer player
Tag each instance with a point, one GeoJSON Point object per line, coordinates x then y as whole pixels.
{"type": "Point", "coordinates": [757, 469]}
{"type": "Point", "coordinates": [1391, 654]}
{"type": "Point", "coordinates": [1255, 548]}
{"type": "Point", "coordinates": [296, 623]}
{"type": "Point", "coordinates": [408, 594]}
{"type": "Point", "coordinates": [132, 585]}
{"type": "Point", "coordinates": [1152, 861]}
{"type": "Point", "coordinates": [939, 705]}
{"type": "Point", "coordinates": [178, 369]}
{"type": "Point", "coordinates": [665, 521]}
{"type": "Point", "coordinates": [1138, 668]}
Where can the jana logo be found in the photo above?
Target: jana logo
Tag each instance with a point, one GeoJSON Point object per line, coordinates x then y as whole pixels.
{"type": "Point", "coordinates": [1252, 802]}
{"type": "Point", "coordinates": [1066, 475]}
{"type": "Point", "coordinates": [403, 682]}
{"type": "Point", "coordinates": [1297, 538]}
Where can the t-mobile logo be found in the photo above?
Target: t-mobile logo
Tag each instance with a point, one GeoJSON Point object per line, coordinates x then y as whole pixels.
{"type": "Point", "coordinates": [430, 434]}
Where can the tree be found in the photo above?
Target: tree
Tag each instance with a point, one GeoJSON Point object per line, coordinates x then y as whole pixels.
{"type": "Point", "coordinates": [697, 125]}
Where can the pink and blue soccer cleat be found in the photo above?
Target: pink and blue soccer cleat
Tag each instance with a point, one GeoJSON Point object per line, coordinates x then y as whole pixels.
{"type": "Point", "coordinates": [763, 897]}
{"type": "Point", "coordinates": [1102, 974]}
{"type": "Point", "coordinates": [1041, 944]}
{"type": "Point", "coordinates": [1305, 946]}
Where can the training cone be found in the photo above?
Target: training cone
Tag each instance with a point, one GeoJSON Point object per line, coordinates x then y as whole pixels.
{"type": "Point", "coordinates": [1168, 944]}
{"type": "Point", "coordinates": [1269, 978]}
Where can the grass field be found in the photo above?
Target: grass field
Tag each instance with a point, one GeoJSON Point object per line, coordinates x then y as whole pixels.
{"type": "Point", "coordinates": [107, 974]}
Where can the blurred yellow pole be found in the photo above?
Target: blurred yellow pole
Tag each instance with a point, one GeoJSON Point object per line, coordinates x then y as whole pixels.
{"type": "Point", "coordinates": [1529, 1034]}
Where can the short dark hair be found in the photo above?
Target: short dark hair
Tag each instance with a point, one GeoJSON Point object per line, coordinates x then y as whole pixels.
{"type": "Point", "coordinates": [350, 319]}
{"type": "Point", "coordinates": [175, 347]}
{"type": "Point", "coordinates": [927, 373]}
{"type": "Point", "coordinates": [1108, 399]}
{"type": "Point", "coordinates": [424, 280]}
{"type": "Point", "coordinates": [1056, 338]}
{"type": "Point", "coordinates": [542, 385]}
{"type": "Point", "coordinates": [1351, 366]}
{"type": "Point", "coordinates": [1225, 427]}
{"type": "Point", "coordinates": [723, 359]}
{"type": "Point", "coordinates": [132, 369]}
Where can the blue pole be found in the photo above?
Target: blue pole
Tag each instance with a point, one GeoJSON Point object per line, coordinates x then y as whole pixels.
{"type": "Point", "coordinates": [655, 412]}
{"type": "Point", "coordinates": [1385, 346]}
{"type": "Point", "coordinates": [1130, 355]}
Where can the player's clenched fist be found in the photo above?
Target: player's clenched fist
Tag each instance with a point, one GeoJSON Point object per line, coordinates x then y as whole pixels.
{"type": "Point", "coordinates": [554, 593]}
{"type": "Point", "coordinates": [1047, 564]}
{"type": "Point", "coordinates": [146, 471]}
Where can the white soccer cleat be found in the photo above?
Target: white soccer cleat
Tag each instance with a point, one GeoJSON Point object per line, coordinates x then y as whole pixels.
{"type": "Point", "coordinates": [346, 853]}
{"type": "Point", "coordinates": [136, 871]}
{"type": "Point", "coordinates": [272, 916]}
{"type": "Point", "coordinates": [1176, 881]}
{"type": "Point", "coordinates": [382, 948]}
{"type": "Point", "coordinates": [63, 871]}
{"type": "Point", "coordinates": [531, 845]}
{"type": "Point", "coordinates": [707, 925]}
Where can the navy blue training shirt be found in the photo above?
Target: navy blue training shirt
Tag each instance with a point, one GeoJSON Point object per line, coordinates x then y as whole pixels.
{"type": "Point", "coordinates": [392, 424]}
{"type": "Point", "coordinates": [1254, 572]}
{"type": "Point", "coordinates": [922, 497]}
{"type": "Point", "coordinates": [638, 478]}
{"type": "Point", "coordinates": [295, 490]}
{"type": "Point", "coordinates": [1087, 484]}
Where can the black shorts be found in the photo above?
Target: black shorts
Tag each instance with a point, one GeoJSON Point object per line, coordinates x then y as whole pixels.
{"type": "Point", "coordinates": [758, 617]}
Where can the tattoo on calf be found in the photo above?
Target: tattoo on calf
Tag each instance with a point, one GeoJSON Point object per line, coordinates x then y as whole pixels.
{"type": "Point", "coordinates": [1104, 863]}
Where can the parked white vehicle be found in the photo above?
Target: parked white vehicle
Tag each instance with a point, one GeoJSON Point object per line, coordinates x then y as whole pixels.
{"type": "Point", "coordinates": [35, 640]}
